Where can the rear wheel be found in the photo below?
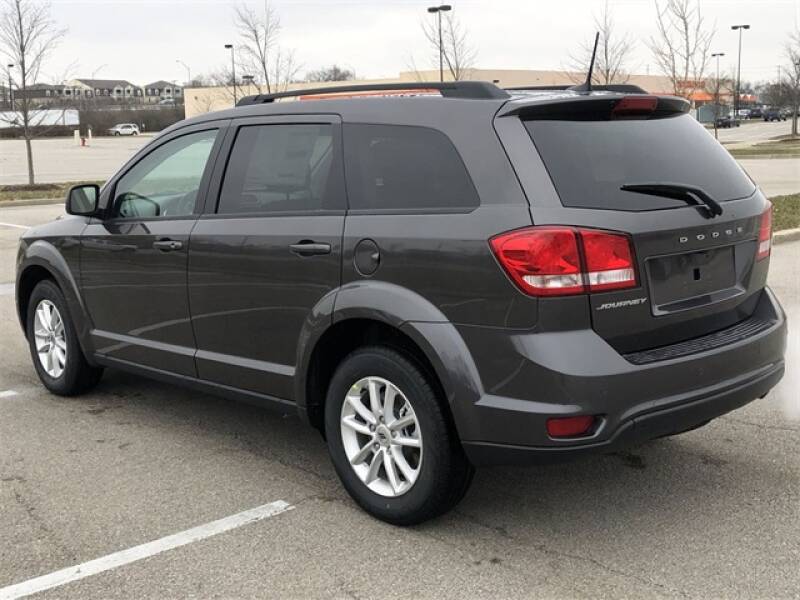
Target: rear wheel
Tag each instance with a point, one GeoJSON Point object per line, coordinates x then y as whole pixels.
{"type": "Point", "coordinates": [390, 441]}
{"type": "Point", "coordinates": [56, 353]}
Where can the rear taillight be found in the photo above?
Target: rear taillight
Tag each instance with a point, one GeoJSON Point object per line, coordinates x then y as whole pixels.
{"type": "Point", "coordinates": [609, 260]}
{"type": "Point", "coordinates": [543, 261]}
{"type": "Point", "coordinates": [561, 261]}
{"type": "Point", "coordinates": [765, 234]}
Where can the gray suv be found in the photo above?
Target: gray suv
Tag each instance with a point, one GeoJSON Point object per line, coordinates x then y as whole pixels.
{"type": "Point", "coordinates": [435, 276]}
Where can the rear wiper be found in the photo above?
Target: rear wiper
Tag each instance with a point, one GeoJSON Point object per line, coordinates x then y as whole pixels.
{"type": "Point", "coordinates": [678, 191]}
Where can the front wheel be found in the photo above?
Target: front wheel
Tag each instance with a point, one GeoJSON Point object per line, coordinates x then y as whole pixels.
{"type": "Point", "coordinates": [390, 441]}
{"type": "Point", "coordinates": [55, 350]}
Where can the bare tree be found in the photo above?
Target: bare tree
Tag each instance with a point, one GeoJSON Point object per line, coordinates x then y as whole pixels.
{"type": "Point", "coordinates": [284, 70]}
{"type": "Point", "coordinates": [332, 73]}
{"type": "Point", "coordinates": [27, 37]}
{"type": "Point", "coordinates": [613, 52]}
{"type": "Point", "coordinates": [791, 81]}
{"type": "Point", "coordinates": [458, 53]}
{"type": "Point", "coordinates": [259, 53]}
{"type": "Point", "coordinates": [681, 47]}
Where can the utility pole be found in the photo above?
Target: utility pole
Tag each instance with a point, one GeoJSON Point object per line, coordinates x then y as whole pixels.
{"type": "Point", "coordinates": [438, 10]}
{"type": "Point", "coordinates": [738, 70]}
{"type": "Point", "coordinates": [717, 55]}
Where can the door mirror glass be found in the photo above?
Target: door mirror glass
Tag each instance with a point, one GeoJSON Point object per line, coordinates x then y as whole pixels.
{"type": "Point", "coordinates": [82, 199]}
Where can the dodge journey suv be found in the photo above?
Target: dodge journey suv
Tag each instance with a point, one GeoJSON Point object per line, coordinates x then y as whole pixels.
{"type": "Point", "coordinates": [435, 276]}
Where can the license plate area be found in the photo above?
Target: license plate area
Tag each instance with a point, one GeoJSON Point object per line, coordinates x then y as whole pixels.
{"type": "Point", "coordinates": [684, 281]}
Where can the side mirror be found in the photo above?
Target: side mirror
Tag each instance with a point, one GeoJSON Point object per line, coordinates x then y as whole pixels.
{"type": "Point", "coordinates": [82, 199]}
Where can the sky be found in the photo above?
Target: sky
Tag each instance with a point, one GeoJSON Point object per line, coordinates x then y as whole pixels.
{"type": "Point", "coordinates": [142, 40]}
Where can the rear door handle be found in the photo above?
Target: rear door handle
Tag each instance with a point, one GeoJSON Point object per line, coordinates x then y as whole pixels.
{"type": "Point", "coordinates": [308, 248]}
{"type": "Point", "coordinates": [167, 245]}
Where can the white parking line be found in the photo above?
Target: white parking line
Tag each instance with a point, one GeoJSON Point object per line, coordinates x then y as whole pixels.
{"type": "Point", "coordinates": [7, 393]}
{"type": "Point", "coordinates": [13, 225]}
{"type": "Point", "coordinates": [124, 557]}
{"type": "Point", "coordinates": [6, 289]}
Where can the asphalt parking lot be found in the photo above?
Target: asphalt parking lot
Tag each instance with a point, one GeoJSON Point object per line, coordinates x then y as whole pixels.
{"type": "Point", "coordinates": [754, 131]}
{"type": "Point", "coordinates": [59, 159]}
{"type": "Point", "coordinates": [712, 513]}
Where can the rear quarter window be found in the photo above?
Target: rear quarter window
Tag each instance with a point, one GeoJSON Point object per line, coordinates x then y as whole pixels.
{"type": "Point", "coordinates": [589, 161]}
{"type": "Point", "coordinates": [397, 167]}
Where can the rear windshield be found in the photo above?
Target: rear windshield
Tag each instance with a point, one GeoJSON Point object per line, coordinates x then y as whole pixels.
{"type": "Point", "coordinates": [590, 160]}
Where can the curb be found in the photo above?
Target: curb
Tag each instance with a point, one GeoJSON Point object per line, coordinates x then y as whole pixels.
{"type": "Point", "coordinates": [787, 235]}
{"type": "Point", "coordinates": [31, 202]}
{"type": "Point", "coordinates": [764, 156]}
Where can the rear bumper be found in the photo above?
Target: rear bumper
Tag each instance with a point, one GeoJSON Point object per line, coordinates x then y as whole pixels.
{"type": "Point", "coordinates": [575, 372]}
{"type": "Point", "coordinates": [638, 429]}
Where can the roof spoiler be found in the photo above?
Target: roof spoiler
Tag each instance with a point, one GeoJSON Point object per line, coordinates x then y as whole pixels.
{"type": "Point", "coordinates": [622, 88]}
{"type": "Point", "coordinates": [474, 90]}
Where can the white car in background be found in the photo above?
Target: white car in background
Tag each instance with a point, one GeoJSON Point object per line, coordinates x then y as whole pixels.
{"type": "Point", "coordinates": [124, 129]}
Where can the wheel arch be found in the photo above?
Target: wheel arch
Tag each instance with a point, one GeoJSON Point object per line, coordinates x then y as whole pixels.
{"type": "Point", "coordinates": [42, 261]}
{"type": "Point", "coordinates": [367, 313]}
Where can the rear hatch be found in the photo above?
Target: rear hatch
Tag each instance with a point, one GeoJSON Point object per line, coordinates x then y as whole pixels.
{"type": "Point", "coordinates": [642, 166]}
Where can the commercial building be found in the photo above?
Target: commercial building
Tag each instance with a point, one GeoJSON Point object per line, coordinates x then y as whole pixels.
{"type": "Point", "coordinates": [201, 100]}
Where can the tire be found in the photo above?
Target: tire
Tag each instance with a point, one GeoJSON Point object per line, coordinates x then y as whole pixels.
{"type": "Point", "coordinates": [443, 471]}
{"type": "Point", "coordinates": [76, 375]}
{"type": "Point", "coordinates": [117, 133]}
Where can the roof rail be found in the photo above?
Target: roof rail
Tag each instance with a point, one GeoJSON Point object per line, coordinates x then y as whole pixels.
{"type": "Point", "coordinates": [624, 88]}
{"type": "Point", "coordinates": [476, 90]}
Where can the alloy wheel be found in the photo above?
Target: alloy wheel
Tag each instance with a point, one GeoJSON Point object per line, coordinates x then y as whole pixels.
{"type": "Point", "coordinates": [50, 338]}
{"type": "Point", "coordinates": [381, 436]}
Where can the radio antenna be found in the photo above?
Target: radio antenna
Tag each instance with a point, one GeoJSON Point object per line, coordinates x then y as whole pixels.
{"type": "Point", "coordinates": [586, 86]}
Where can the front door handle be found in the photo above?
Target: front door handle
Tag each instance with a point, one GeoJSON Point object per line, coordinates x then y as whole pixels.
{"type": "Point", "coordinates": [309, 248]}
{"type": "Point", "coordinates": [167, 245]}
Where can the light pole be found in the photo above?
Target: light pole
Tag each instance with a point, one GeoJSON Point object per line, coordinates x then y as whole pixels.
{"type": "Point", "coordinates": [10, 91]}
{"type": "Point", "coordinates": [233, 70]}
{"type": "Point", "coordinates": [716, 55]}
{"type": "Point", "coordinates": [188, 71]}
{"type": "Point", "coordinates": [738, 70]}
{"type": "Point", "coordinates": [438, 10]}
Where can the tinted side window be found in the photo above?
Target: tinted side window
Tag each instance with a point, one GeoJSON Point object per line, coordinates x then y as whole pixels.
{"type": "Point", "coordinates": [166, 181]}
{"type": "Point", "coordinates": [279, 168]}
{"type": "Point", "coordinates": [402, 167]}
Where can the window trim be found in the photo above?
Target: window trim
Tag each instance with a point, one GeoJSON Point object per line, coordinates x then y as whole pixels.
{"type": "Point", "coordinates": [212, 197]}
{"type": "Point", "coordinates": [110, 190]}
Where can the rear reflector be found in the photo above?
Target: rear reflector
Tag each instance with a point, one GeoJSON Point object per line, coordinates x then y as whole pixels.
{"type": "Point", "coordinates": [765, 234]}
{"type": "Point", "coordinates": [561, 261]}
{"type": "Point", "coordinates": [563, 427]}
{"type": "Point", "coordinates": [635, 106]}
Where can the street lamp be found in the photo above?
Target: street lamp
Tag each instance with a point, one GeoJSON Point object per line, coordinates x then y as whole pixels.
{"type": "Point", "coordinates": [233, 70]}
{"type": "Point", "coordinates": [738, 70]}
{"type": "Point", "coordinates": [717, 55]}
{"type": "Point", "coordinates": [438, 10]}
{"type": "Point", "coordinates": [188, 71]}
{"type": "Point", "coordinates": [10, 91]}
